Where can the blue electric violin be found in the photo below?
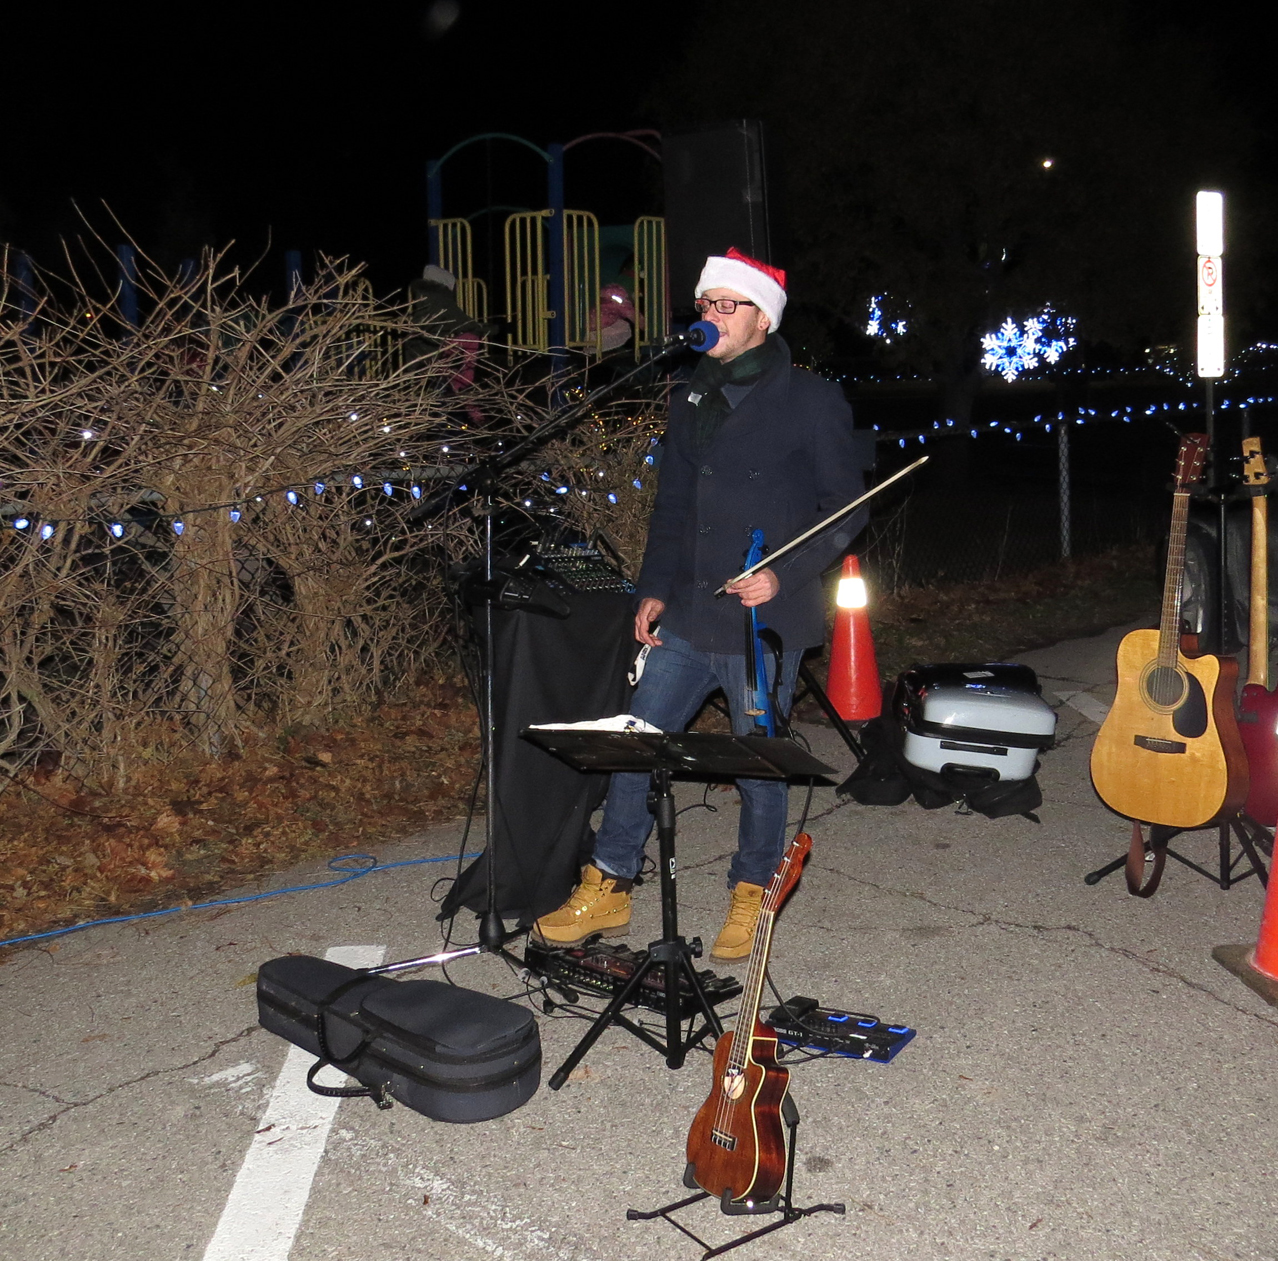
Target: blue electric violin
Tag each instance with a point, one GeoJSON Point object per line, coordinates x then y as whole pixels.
{"type": "Point", "coordinates": [759, 701]}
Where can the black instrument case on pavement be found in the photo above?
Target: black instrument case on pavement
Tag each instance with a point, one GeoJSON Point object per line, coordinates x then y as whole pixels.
{"type": "Point", "coordinates": [451, 1054]}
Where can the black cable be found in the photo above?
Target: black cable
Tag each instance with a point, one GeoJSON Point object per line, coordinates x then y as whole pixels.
{"type": "Point", "coordinates": [703, 804]}
{"type": "Point", "coordinates": [807, 805]}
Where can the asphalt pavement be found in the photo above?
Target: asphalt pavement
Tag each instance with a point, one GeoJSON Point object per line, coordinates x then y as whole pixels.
{"type": "Point", "coordinates": [1086, 1082]}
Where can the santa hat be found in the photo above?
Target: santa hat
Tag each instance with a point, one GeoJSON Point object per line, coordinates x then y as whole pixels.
{"type": "Point", "coordinates": [763, 285]}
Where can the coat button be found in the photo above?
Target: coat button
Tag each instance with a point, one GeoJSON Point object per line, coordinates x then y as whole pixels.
{"type": "Point", "coordinates": [706, 471]}
{"type": "Point", "coordinates": [705, 529]}
{"type": "Point", "coordinates": [754, 472]}
{"type": "Point", "coordinates": [702, 584]}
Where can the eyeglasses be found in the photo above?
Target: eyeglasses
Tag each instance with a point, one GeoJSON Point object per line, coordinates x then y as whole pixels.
{"type": "Point", "coordinates": [725, 306]}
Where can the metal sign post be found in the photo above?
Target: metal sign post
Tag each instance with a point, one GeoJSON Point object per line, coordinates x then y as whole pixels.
{"type": "Point", "coordinates": [1210, 224]}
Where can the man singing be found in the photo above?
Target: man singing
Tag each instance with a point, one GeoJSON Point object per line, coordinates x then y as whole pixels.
{"type": "Point", "coordinates": [753, 443]}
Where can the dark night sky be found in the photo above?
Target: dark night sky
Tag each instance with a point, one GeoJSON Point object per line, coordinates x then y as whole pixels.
{"type": "Point", "coordinates": [315, 123]}
{"type": "Point", "coordinates": [310, 126]}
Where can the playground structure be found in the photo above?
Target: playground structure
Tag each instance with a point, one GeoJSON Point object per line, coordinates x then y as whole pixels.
{"type": "Point", "coordinates": [551, 261]}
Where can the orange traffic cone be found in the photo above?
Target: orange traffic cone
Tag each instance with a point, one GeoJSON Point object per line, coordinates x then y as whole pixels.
{"type": "Point", "coordinates": [1257, 968]}
{"type": "Point", "coordinates": [853, 684]}
{"type": "Point", "coordinates": [1266, 957]}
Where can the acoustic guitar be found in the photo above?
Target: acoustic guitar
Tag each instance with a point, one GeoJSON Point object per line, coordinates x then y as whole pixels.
{"type": "Point", "coordinates": [1258, 719]}
{"type": "Point", "coordinates": [736, 1147]}
{"type": "Point", "coordinates": [1169, 751]}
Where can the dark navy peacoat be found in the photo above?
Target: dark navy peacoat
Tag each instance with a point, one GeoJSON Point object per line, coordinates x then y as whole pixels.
{"type": "Point", "coordinates": [786, 457]}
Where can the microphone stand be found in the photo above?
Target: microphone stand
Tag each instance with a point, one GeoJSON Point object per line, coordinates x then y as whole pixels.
{"type": "Point", "coordinates": [493, 936]}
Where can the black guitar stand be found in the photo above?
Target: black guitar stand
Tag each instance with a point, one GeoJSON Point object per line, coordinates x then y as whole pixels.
{"type": "Point", "coordinates": [698, 755]}
{"type": "Point", "coordinates": [1253, 841]}
{"type": "Point", "coordinates": [782, 1202]}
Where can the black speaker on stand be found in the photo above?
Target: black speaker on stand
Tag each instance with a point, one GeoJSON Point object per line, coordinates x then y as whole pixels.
{"type": "Point", "coordinates": [716, 196]}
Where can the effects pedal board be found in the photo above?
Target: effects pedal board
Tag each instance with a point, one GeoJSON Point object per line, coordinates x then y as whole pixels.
{"type": "Point", "coordinates": [603, 969]}
{"type": "Point", "coordinates": [804, 1024]}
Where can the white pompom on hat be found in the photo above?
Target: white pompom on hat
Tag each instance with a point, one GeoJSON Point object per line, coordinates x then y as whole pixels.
{"type": "Point", "coordinates": [439, 276]}
{"type": "Point", "coordinates": [763, 285]}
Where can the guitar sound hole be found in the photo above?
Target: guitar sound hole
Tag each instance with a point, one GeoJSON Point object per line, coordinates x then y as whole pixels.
{"type": "Point", "coordinates": [1165, 687]}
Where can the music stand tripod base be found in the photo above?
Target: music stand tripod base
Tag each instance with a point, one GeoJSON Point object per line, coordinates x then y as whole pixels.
{"type": "Point", "coordinates": [696, 755]}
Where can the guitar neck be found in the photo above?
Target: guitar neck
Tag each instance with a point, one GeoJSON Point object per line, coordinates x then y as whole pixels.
{"type": "Point", "coordinates": [1169, 620]}
{"type": "Point", "coordinates": [1258, 622]}
{"type": "Point", "coordinates": [752, 990]}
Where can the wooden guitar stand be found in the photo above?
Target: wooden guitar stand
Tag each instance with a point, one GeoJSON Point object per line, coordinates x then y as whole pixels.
{"type": "Point", "coordinates": [782, 1202]}
{"type": "Point", "coordinates": [1253, 840]}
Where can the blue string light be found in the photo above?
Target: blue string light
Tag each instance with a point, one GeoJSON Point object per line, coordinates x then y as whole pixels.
{"type": "Point", "coordinates": [117, 529]}
{"type": "Point", "coordinates": [178, 527]}
{"type": "Point", "coordinates": [291, 496]}
{"type": "Point", "coordinates": [21, 523]}
{"type": "Point", "coordinates": [319, 488]}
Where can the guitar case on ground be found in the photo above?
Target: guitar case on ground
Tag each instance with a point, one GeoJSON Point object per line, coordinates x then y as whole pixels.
{"type": "Point", "coordinates": [957, 732]}
{"type": "Point", "coordinates": [449, 1053]}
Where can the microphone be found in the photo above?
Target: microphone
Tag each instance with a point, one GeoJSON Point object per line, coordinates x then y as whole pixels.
{"type": "Point", "coordinates": [701, 336]}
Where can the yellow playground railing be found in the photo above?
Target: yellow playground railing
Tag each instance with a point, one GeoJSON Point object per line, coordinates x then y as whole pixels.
{"type": "Point", "coordinates": [457, 256]}
{"type": "Point", "coordinates": [582, 327]}
{"type": "Point", "coordinates": [528, 288]}
{"type": "Point", "coordinates": [527, 281]}
{"type": "Point", "coordinates": [652, 283]}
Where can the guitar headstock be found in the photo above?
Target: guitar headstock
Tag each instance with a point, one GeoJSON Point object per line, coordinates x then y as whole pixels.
{"type": "Point", "coordinates": [787, 874]}
{"type": "Point", "coordinates": [1254, 471]}
{"type": "Point", "coordinates": [1190, 460]}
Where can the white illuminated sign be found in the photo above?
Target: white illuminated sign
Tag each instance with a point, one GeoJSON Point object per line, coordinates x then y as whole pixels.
{"type": "Point", "coordinates": [1210, 219]}
{"type": "Point", "coordinates": [1210, 223]}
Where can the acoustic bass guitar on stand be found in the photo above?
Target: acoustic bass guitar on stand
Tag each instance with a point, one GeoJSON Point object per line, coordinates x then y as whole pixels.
{"type": "Point", "coordinates": [1169, 751]}
{"type": "Point", "coordinates": [736, 1147]}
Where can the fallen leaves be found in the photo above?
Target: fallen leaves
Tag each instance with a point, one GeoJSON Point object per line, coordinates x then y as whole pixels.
{"type": "Point", "coordinates": [71, 852]}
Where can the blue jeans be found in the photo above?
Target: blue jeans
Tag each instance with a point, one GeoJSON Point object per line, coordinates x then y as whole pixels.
{"type": "Point", "coordinates": [676, 681]}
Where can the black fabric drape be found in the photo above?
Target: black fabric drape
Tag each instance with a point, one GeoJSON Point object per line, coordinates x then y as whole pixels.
{"type": "Point", "coordinates": [548, 670]}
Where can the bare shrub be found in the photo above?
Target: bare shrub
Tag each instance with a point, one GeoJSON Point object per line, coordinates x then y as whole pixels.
{"type": "Point", "coordinates": [212, 523]}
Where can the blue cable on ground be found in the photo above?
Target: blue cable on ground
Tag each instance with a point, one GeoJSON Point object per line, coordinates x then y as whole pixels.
{"type": "Point", "coordinates": [369, 865]}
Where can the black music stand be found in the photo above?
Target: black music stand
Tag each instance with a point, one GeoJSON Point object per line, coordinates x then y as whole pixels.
{"type": "Point", "coordinates": [691, 755]}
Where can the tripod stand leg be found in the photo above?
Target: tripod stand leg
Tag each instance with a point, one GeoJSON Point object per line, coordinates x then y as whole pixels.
{"type": "Point", "coordinates": [1250, 836]}
{"type": "Point", "coordinates": [817, 692]}
{"type": "Point", "coordinates": [671, 947]}
{"type": "Point", "coordinates": [605, 1018]}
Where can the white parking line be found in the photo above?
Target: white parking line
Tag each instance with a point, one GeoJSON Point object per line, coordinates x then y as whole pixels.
{"type": "Point", "coordinates": [265, 1207]}
{"type": "Point", "coordinates": [1087, 705]}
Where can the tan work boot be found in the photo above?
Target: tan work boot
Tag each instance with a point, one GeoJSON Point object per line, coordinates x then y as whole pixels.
{"type": "Point", "coordinates": [599, 904]}
{"type": "Point", "coordinates": [737, 934]}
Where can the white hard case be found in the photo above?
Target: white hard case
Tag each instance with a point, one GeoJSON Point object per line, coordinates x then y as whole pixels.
{"type": "Point", "coordinates": [981, 718]}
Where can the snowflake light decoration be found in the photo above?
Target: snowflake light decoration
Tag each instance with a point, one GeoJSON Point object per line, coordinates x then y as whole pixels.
{"type": "Point", "coordinates": [1017, 348]}
{"type": "Point", "coordinates": [879, 325]}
